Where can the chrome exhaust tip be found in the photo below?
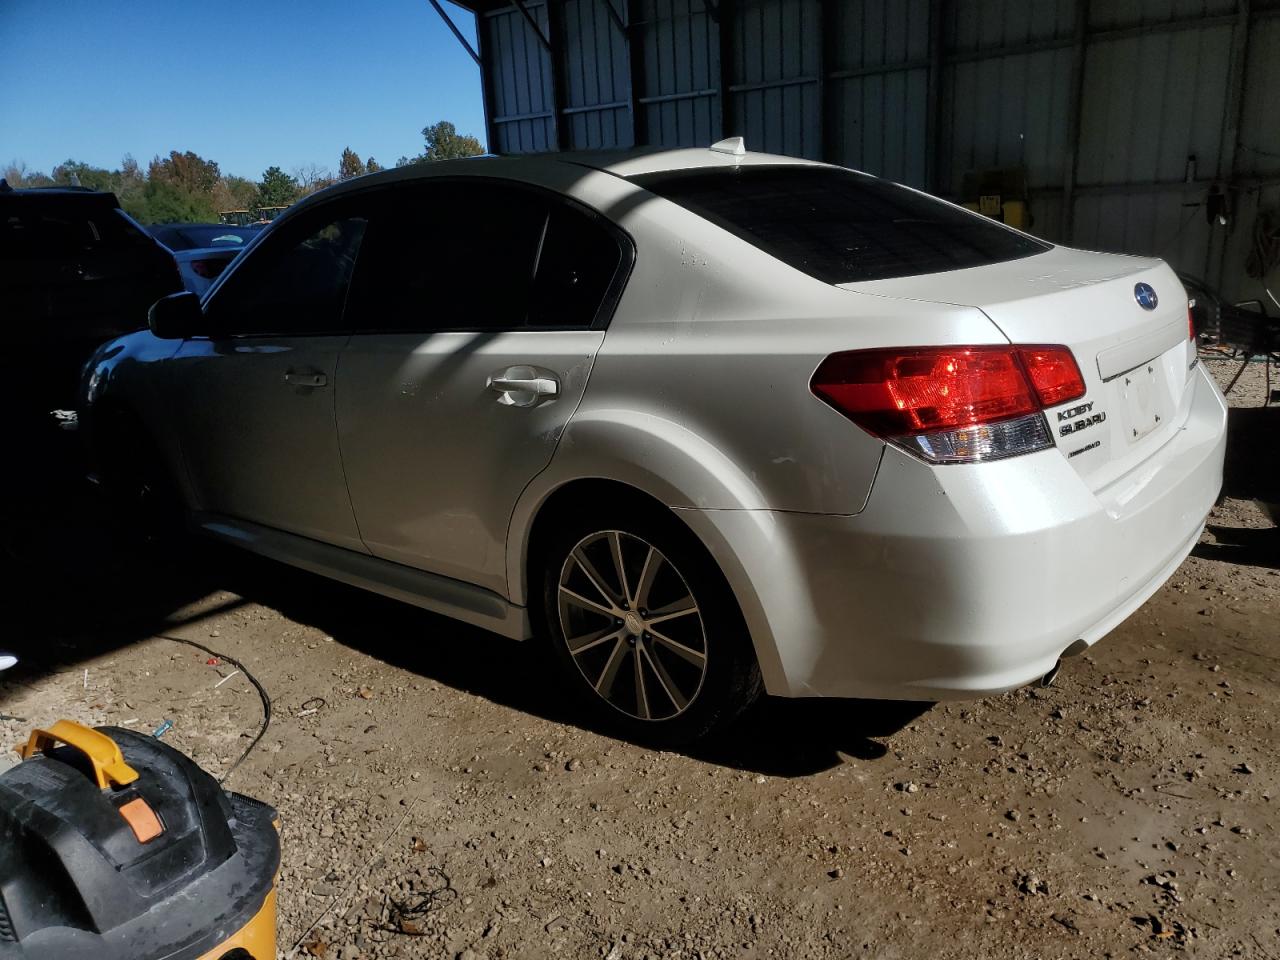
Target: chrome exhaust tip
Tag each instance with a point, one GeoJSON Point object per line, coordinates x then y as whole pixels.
{"type": "Point", "coordinates": [1048, 678]}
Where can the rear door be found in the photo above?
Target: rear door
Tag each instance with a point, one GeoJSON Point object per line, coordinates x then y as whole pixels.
{"type": "Point", "coordinates": [256, 399]}
{"type": "Point", "coordinates": [478, 310]}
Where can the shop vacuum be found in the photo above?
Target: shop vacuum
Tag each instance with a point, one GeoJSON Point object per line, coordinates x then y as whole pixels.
{"type": "Point", "coordinates": [114, 846]}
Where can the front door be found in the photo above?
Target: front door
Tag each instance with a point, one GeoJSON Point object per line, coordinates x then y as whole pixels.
{"type": "Point", "coordinates": [478, 309]}
{"type": "Point", "coordinates": [256, 399]}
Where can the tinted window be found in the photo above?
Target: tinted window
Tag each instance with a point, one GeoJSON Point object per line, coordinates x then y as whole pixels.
{"type": "Point", "coordinates": [481, 256]}
{"type": "Point", "coordinates": [297, 283]}
{"type": "Point", "coordinates": [36, 228]}
{"type": "Point", "coordinates": [840, 226]}
{"type": "Point", "coordinates": [576, 266]}
{"type": "Point", "coordinates": [449, 256]}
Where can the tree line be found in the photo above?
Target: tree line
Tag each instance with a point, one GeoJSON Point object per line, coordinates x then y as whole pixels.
{"type": "Point", "coordinates": [186, 188]}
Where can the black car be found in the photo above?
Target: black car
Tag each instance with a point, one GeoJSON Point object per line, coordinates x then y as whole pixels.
{"type": "Point", "coordinates": [75, 270]}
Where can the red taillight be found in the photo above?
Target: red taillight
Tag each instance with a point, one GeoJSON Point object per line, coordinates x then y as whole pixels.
{"type": "Point", "coordinates": [1191, 320]}
{"type": "Point", "coordinates": [896, 392]}
{"type": "Point", "coordinates": [209, 269]}
{"type": "Point", "coordinates": [1054, 374]}
{"type": "Point", "coordinates": [903, 391]}
{"type": "Point", "coordinates": [952, 403]}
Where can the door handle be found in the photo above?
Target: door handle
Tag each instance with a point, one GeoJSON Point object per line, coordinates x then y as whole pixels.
{"type": "Point", "coordinates": [524, 386]}
{"type": "Point", "coordinates": [539, 386]}
{"type": "Point", "coordinates": [306, 379]}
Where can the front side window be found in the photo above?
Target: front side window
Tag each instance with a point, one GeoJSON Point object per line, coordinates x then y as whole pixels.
{"type": "Point", "coordinates": [296, 283]}
{"type": "Point", "coordinates": [481, 255]}
{"type": "Point", "coordinates": [840, 226]}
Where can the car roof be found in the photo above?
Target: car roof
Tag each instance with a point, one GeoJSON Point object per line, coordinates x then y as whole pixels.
{"type": "Point", "coordinates": [60, 191]}
{"type": "Point", "coordinates": [79, 197]}
{"type": "Point", "coordinates": [634, 163]}
{"type": "Point", "coordinates": [620, 163]}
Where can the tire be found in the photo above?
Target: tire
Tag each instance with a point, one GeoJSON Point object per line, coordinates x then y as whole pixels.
{"type": "Point", "coordinates": [664, 658]}
{"type": "Point", "coordinates": [136, 482]}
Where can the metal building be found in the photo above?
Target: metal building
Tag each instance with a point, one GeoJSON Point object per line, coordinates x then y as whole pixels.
{"type": "Point", "coordinates": [1143, 126]}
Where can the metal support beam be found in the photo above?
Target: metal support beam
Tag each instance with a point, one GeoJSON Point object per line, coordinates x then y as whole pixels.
{"type": "Point", "coordinates": [1231, 120]}
{"type": "Point", "coordinates": [933, 99]}
{"type": "Point", "coordinates": [1075, 102]}
{"type": "Point", "coordinates": [555, 63]}
{"type": "Point", "coordinates": [456, 32]}
{"type": "Point", "coordinates": [615, 17]}
{"type": "Point", "coordinates": [486, 87]}
{"type": "Point", "coordinates": [635, 74]}
{"type": "Point", "coordinates": [533, 24]}
{"type": "Point", "coordinates": [826, 57]}
{"type": "Point", "coordinates": [721, 15]}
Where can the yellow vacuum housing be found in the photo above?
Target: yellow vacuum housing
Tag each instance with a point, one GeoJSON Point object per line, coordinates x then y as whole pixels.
{"type": "Point", "coordinates": [114, 846]}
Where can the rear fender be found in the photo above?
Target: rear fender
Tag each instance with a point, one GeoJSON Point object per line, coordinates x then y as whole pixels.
{"type": "Point", "coordinates": [658, 457]}
{"type": "Point", "coordinates": [678, 468]}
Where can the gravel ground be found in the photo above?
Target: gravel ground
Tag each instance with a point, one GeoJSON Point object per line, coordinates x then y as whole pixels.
{"type": "Point", "coordinates": [439, 800]}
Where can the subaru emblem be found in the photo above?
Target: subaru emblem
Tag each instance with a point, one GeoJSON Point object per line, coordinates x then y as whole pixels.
{"type": "Point", "coordinates": [1145, 294]}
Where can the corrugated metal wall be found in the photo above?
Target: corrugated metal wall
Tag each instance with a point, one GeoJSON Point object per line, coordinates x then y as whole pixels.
{"type": "Point", "coordinates": [1125, 114]}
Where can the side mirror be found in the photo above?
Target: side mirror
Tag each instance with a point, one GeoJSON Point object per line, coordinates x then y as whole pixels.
{"type": "Point", "coordinates": [176, 317]}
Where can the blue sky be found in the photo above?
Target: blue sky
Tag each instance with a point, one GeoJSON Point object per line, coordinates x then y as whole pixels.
{"type": "Point", "coordinates": [248, 84]}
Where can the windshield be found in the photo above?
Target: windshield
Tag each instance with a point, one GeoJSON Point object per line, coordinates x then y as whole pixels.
{"type": "Point", "coordinates": [840, 226]}
{"type": "Point", "coordinates": [200, 235]}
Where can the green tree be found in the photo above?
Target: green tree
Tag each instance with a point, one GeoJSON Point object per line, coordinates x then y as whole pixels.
{"type": "Point", "coordinates": [86, 175]}
{"type": "Point", "coordinates": [20, 175]}
{"type": "Point", "coordinates": [372, 166]}
{"type": "Point", "coordinates": [350, 165]}
{"type": "Point", "coordinates": [179, 188]}
{"type": "Point", "coordinates": [187, 171]}
{"type": "Point", "coordinates": [445, 143]}
{"type": "Point", "coordinates": [165, 201]}
{"type": "Point", "coordinates": [277, 188]}
{"type": "Point", "coordinates": [131, 186]}
{"type": "Point", "coordinates": [235, 193]}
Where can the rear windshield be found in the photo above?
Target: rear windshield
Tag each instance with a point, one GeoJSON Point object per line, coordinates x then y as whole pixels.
{"type": "Point", "coordinates": [194, 236]}
{"type": "Point", "coordinates": [840, 226]}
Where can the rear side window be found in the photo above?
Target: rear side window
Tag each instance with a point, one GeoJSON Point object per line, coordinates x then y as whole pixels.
{"type": "Point", "coordinates": [840, 226]}
{"type": "Point", "coordinates": [36, 228]}
{"type": "Point", "coordinates": [576, 264]}
{"type": "Point", "coordinates": [481, 255]}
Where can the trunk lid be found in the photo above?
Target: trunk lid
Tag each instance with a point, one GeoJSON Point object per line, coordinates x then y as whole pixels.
{"type": "Point", "coordinates": [1136, 361]}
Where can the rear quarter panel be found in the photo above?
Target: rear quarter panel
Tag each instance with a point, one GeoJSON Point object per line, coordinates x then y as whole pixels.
{"type": "Point", "coordinates": [700, 394]}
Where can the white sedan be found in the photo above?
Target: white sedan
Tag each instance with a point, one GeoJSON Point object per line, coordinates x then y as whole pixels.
{"type": "Point", "coordinates": [705, 422]}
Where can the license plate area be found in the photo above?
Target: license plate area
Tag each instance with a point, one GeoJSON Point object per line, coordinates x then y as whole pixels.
{"type": "Point", "coordinates": [1143, 400]}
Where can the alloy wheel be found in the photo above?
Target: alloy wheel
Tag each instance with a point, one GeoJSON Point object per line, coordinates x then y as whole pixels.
{"type": "Point", "coordinates": [632, 625]}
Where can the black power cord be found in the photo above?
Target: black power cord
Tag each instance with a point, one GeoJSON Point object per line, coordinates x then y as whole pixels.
{"type": "Point", "coordinates": [262, 692]}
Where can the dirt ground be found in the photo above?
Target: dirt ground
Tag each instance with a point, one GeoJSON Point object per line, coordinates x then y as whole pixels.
{"type": "Point", "coordinates": [438, 799]}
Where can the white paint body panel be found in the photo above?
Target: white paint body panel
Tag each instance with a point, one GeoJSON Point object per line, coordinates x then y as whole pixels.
{"type": "Point", "coordinates": [860, 570]}
{"type": "Point", "coordinates": [268, 451]}
{"type": "Point", "coordinates": [434, 462]}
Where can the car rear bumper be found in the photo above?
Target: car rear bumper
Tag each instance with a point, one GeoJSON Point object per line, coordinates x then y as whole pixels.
{"type": "Point", "coordinates": [966, 580]}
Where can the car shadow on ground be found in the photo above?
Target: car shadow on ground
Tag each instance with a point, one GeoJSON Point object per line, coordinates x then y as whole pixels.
{"type": "Point", "coordinates": [80, 588]}
{"type": "Point", "coordinates": [1251, 472]}
{"type": "Point", "coordinates": [777, 737]}
{"type": "Point", "coordinates": [1242, 545]}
